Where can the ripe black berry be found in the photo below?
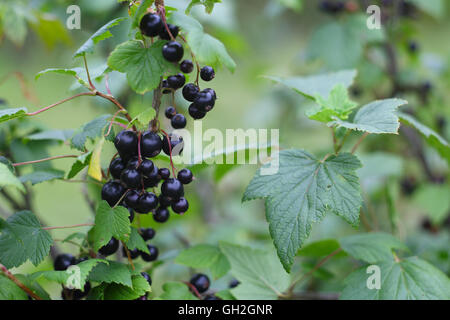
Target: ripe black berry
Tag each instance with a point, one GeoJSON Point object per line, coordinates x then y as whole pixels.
{"type": "Point", "coordinates": [131, 199]}
{"type": "Point", "coordinates": [161, 215]}
{"type": "Point", "coordinates": [147, 277]}
{"type": "Point", "coordinates": [234, 283]}
{"type": "Point", "coordinates": [177, 81]}
{"type": "Point", "coordinates": [165, 201]}
{"type": "Point", "coordinates": [190, 92]}
{"type": "Point", "coordinates": [172, 188]}
{"type": "Point", "coordinates": [131, 178]}
{"type": "Point", "coordinates": [186, 66]}
{"type": "Point", "coordinates": [173, 51]}
{"type": "Point", "coordinates": [126, 143]}
{"type": "Point", "coordinates": [79, 260]}
{"type": "Point", "coordinates": [146, 167]}
{"type": "Point", "coordinates": [211, 91]}
{"type": "Point", "coordinates": [63, 261]}
{"type": "Point", "coordinates": [176, 145]}
{"type": "Point", "coordinates": [185, 176]}
{"type": "Point", "coordinates": [163, 34]}
{"type": "Point", "coordinates": [200, 282]}
{"type": "Point", "coordinates": [109, 248]}
{"type": "Point", "coordinates": [152, 179]}
{"type": "Point", "coordinates": [151, 144]}
{"type": "Point", "coordinates": [151, 24]}
{"type": "Point", "coordinates": [195, 113]}
{"type": "Point", "coordinates": [147, 202]}
{"type": "Point", "coordinates": [170, 112]}
{"type": "Point", "coordinates": [116, 167]}
{"type": "Point", "coordinates": [112, 192]}
{"type": "Point", "coordinates": [147, 233]}
{"type": "Point", "coordinates": [204, 101]}
{"type": "Point", "coordinates": [130, 210]}
{"type": "Point", "coordinates": [207, 73]}
{"type": "Point", "coordinates": [166, 88]}
{"type": "Point", "coordinates": [133, 253]}
{"type": "Point", "coordinates": [178, 121]}
{"type": "Point", "coordinates": [133, 163]}
{"type": "Point", "coordinates": [164, 173]}
{"type": "Point", "coordinates": [153, 253]}
{"type": "Point", "coordinates": [180, 206]}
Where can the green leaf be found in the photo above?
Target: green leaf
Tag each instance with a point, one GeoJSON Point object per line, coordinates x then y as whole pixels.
{"type": "Point", "coordinates": [409, 279]}
{"type": "Point", "coordinates": [139, 288]}
{"type": "Point", "coordinates": [91, 130]}
{"type": "Point", "coordinates": [74, 72]}
{"type": "Point", "coordinates": [434, 200]}
{"type": "Point", "coordinates": [14, 24]}
{"type": "Point", "coordinates": [209, 5]}
{"type": "Point", "coordinates": [302, 191]}
{"type": "Point", "coordinates": [101, 34]}
{"type": "Point", "coordinates": [205, 256]}
{"type": "Point", "coordinates": [81, 163]}
{"type": "Point", "coordinates": [58, 135]}
{"type": "Point", "coordinates": [7, 178]}
{"type": "Point", "coordinates": [9, 114]}
{"type": "Point", "coordinates": [42, 176]}
{"type": "Point", "coordinates": [30, 283]}
{"type": "Point", "coordinates": [317, 85]}
{"type": "Point", "coordinates": [259, 272]}
{"type": "Point", "coordinates": [144, 117]}
{"type": "Point", "coordinates": [432, 138]}
{"type": "Point", "coordinates": [112, 272]}
{"type": "Point", "coordinates": [371, 247]}
{"type": "Point", "coordinates": [225, 295]}
{"type": "Point", "coordinates": [110, 222]}
{"type": "Point", "coordinates": [207, 49]}
{"type": "Point", "coordinates": [176, 291]}
{"type": "Point", "coordinates": [10, 291]}
{"type": "Point", "coordinates": [95, 167]}
{"type": "Point", "coordinates": [51, 30]}
{"type": "Point", "coordinates": [136, 241]}
{"type": "Point", "coordinates": [23, 239]}
{"type": "Point", "coordinates": [140, 11]}
{"type": "Point", "coordinates": [319, 248]}
{"type": "Point", "coordinates": [376, 117]}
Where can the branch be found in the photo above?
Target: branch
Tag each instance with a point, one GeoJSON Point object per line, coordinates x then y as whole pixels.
{"type": "Point", "coordinates": [60, 102]}
{"type": "Point", "coordinates": [45, 159]}
{"type": "Point", "coordinates": [18, 283]}
{"type": "Point", "coordinates": [68, 227]}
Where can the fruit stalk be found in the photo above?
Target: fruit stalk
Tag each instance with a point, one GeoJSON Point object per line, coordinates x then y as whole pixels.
{"type": "Point", "coordinates": [18, 283]}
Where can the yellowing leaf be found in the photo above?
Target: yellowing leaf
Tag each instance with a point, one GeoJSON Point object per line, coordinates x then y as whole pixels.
{"type": "Point", "coordinates": [95, 168]}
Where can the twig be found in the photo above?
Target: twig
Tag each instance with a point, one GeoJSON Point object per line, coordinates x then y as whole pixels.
{"type": "Point", "coordinates": [18, 283]}
{"type": "Point", "coordinates": [68, 227]}
{"type": "Point", "coordinates": [193, 288]}
{"type": "Point", "coordinates": [60, 102]}
{"type": "Point", "coordinates": [359, 142]}
{"type": "Point", "coordinates": [45, 159]}
{"type": "Point", "coordinates": [87, 73]}
{"type": "Point", "coordinates": [128, 255]}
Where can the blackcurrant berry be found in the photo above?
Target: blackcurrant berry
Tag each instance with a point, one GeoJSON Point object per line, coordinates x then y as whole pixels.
{"type": "Point", "coordinates": [164, 173]}
{"type": "Point", "coordinates": [133, 163]}
{"type": "Point", "coordinates": [177, 81]}
{"type": "Point", "coordinates": [200, 282]}
{"type": "Point", "coordinates": [63, 261]}
{"type": "Point", "coordinates": [165, 201]}
{"type": "Point", "coordinates": [185, 176]}
{"type": "Point", "coordinates": [173, 51]}
{"type": "Point", "coordinates": [204, 101]}
{"type": "Point", "coordinates": [153, 253]}
{"type": "Point", "coordinates": [126, 142]}
{"type": "Point", "coordinates": [172, 188]}
{"type": "Point", "coordinates": [186, 66]}
{"type": "Point", "coordinates": [152, 179]}
{"type": "Point", "coordinates": [170, 112]}
{"type": "Point", "coordinates": [80, 294]}
{"type": "Point", "coordinates": [176, 145]}
{"type": "Point", "coordinates": [178, 121]}
{"type": "Point", "coordinates": [147, 202]}
{"type": "Point", "coordinates": [166, 88]}
{"type": "Point", "coordinates": [190, 92]}
{"type": "Point", "coordinates": [109, 248]}
{"type": "Point", "coordinates": [146, 167]}
{"type": "Point", "coordinates": [147, 277]}
{"type": "Point", "coordinates": [133, 253]}
{"type": "Point", "coordinates": [151, 144]}
{"type": "Point", "coordinates": [161, 215]}
{"type": "Point", "coordinates": [131, 199]}
{"type": "Point", "coordinates": [131, 178]}
{"type": "Point", "coordinates": [233, 283]}
{"type": "Point", "coordinates": [163, 34]}
{"type": "Point", "coordinates": [81, 259]}
{"type": "Point", "coordinates": [180, 206]}
{"type": "Point", "coordinates": [147, 233]}
{"type": "Point", "coordinates": [112, 192]}
{"type": "Point", "coordinates": [116, 167]}
{"type": "Point", "coordinates": [207, 73]}
{"type": "Point", "coordinates": [195, 113]}
{"type": "Point", "coordinates": [130, 210]}
{"type": "Point", "coordinates": [211, 91]}
{"type": "Point", "coordinates": [151, 24]}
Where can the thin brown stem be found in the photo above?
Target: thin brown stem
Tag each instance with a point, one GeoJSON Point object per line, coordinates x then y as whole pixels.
{"type": "Point", "coordinates": [87, 73]}
{"type": "Point", "coordinates": [68, 227]}
{"type": "Point", "coordinates": [18, 283]}
{"type": "Point", "coordinates": [128, 255]}
{"type": "Point", "coordinates": [60, 102]}
{"type": "Point", "coordinates": [45, 159]}
{"type": "Point", "coordinates": [355, 147]}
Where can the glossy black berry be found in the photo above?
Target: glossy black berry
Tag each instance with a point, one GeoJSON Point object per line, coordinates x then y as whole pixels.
{"type": "Point", "coordinates": [165, 201]}
{"type": "Point", "coordinates": [147, 277]}
{"type": "Point", "coordinates": [172, 188]}
{"type": "Point", "coordinates": [178, 121]}
{"type": "Point", "coordinates": [81, 259]}
{"type": "Point", "coordinates": [211, 91]}
{"type": "Point", "coordinates": [234, 283]}
{"type": "Point", "coordinates": [207, 73]}
{"type": "Point", "coordinates": [152, 255]}
{"type": "Point", "coordinates": [131, 178]}
{"type": "Point", "coordinates": [80, 294]}
{"type": "Point", "coordinates": [204, 101]}
{"type": "Point", "coordinates": [151, 24]}
{"type": "Point", "coordinates": [164, 173]}
{"type": "Point", "coordinates": [180, 206]}
{"type": "Point", "coordinates": [173, 51]}
{"type": "Point", "coordinates": [126, 142]}
{"type": "Point", "coordinates": [147, 233]}
{"type": "Point", "coordinates": [166, 88]}
{"type": "Point", "coordinates": [63, 261]}
{"type": "Point", "coordinates": [131, 199]}
{"type": "Point", "coordinates": [176, 145]}
{"type": "Point", "coordinates": [200, 282]}
{"type": "Point", "coordinates": [112, 192]}
{"type": "Point", "coordinates": [176, 81]}
{"type": "Point", "coordinates": [185, 176]}
{"type": "Point", "coordinates": [152, 179]}
{"type": "Point", "coordinates": [109, 248]}
{"type": "Point", "coordinates": [147, 202]}
{"type": "Point", "coordinates": [195, 112]}
{"type": "Point", "coordinates": [190, 92]}
{"type": "Point", "coordinates": [116, 167]}
{"type": "Point", "coordinates": [170, 112]}
{"type": "Point", "coordinates": [133, 253]}
{"type": "Point", "coordinates": [186, 66]}
{"type": "Point", "coordinates": [173, 30]}
{"type": "Point", "coordinates": [133, 163]}
{"type": "Point", "coordinates": [146, 167]}
{"type": "Point", "coordinates": [161, 215]}
{"type": "Point", "coordinates": [151, 144]}
{"type": "Point", "coordinates": [130, 210]}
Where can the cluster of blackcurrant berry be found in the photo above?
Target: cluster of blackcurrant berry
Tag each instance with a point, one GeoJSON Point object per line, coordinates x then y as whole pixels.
{"type": "Point", "coordinates": [61, 263]}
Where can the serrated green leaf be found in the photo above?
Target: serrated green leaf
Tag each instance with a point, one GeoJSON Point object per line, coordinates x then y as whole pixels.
{"type": "Point", "coordinates": [379, 116]}
{"type": "Point", "coordinates": [136, 241]}
{"type": "Point", "coordinates": [91, 130]}
{"type": "Point", "coordinates": [7, 178]}
{"type": "Point", "coordinates": [144, 117]}
{"type": "Point", "coordinates": [225, 295]}
{"type": "Point", "coordinates": [9, 114]}
{"type": "Point", "coordinates": [205, 256]}
{"type": "Point", "coordinates": [371, 247]}
{"type": "Point", "coordinates": [176, 291]}
{"type": "Point", "coordinates": [81, 163]}
{"type": "Point", "coordinates": [302, 191]}
{"type": "Point", "coordinates": [23, 239]}
{"type": "Point", "coordinates": [29, 282]}
{"type": "Point", "coordinates": [10, 291]}
{"type": "Point", "coordinates": [319, 249]}
{"type": "Point", "coordinates": [110, 222]}
{"type": "Point", "coordinates": [113, 272]}
{"type": "Point", "coordinates": [58, 135]}
{"type": "Point", "coordinates": [74, 72]}
{"type": "Point", "coordinates": [42, 176]}
{"type": "Point", "coordinates": [139, 288]}
{"type": "Point", "coordinates": [209, 5]}
{"type": "Point", "coordinates": [259, 272]}
{"type": "Point", "coordinates": [101, 34]}
{"type": "Point", "coordinates": [408, 279]}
